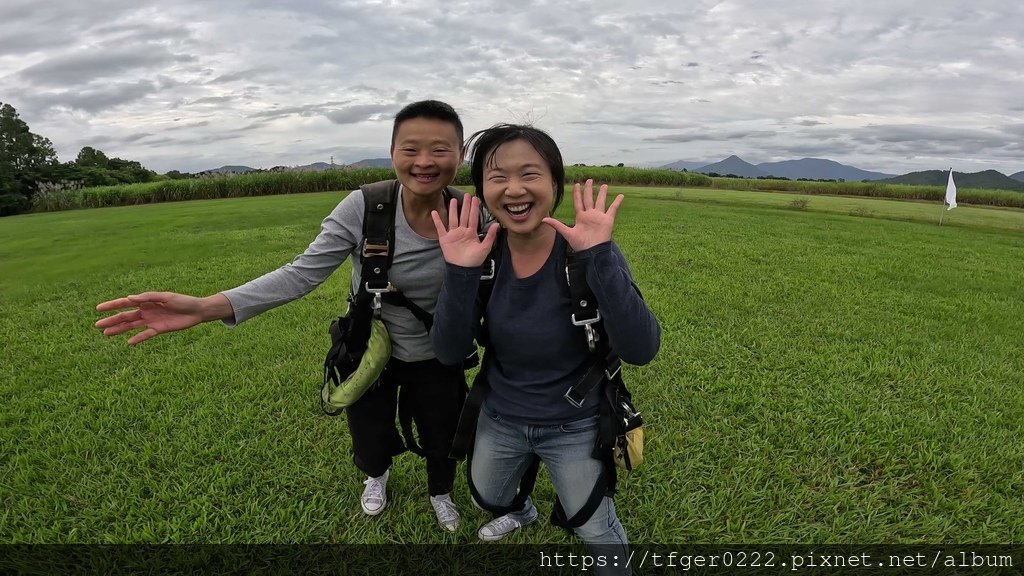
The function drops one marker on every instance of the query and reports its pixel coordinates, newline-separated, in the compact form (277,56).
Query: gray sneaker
(375,495)
(444,509)
(500,527)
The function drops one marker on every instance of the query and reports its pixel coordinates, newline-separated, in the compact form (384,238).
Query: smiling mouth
(426,177)
(520,211)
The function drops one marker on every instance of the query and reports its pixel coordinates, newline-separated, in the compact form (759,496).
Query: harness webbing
(606,369)
(376,254)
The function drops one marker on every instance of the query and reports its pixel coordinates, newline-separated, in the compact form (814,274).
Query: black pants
(433,395)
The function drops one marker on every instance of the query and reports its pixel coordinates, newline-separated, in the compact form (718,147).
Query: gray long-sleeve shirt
(417,271)
(536,352)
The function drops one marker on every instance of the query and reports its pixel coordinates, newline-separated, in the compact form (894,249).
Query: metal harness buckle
(611,375)
(372,250)
(592,336)
(568,396)
(488,274)
(377,293)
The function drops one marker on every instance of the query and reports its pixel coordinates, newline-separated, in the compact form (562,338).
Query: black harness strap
(606,371)
(400,299)
(377,249)
(465,433)
(377,253)
(606,483)
(462,447)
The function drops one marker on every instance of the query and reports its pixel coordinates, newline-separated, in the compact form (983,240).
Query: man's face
(426,154)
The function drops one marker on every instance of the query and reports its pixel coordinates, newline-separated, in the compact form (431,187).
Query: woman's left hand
(593,223)
(460,243)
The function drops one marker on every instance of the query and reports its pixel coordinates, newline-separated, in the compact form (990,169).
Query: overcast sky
(884,85)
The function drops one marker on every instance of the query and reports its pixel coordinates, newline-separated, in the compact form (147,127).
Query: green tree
(89,156)
(25,159)
(131,170)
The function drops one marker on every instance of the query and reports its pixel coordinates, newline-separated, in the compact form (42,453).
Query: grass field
(840,371)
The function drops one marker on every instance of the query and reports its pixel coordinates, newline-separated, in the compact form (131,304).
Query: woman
(426,152)
(534,352)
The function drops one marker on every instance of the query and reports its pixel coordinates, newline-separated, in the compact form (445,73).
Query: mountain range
(314,167)
(822,169)
(805,168)
(810,168)
(984,179)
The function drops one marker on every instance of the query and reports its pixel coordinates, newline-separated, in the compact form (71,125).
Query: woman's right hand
(159,313)
(460,242)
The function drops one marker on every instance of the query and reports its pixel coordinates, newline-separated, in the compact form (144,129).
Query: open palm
(155,312)
(460,242)
(593,223)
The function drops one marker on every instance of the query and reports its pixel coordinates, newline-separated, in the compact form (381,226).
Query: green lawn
(823,377)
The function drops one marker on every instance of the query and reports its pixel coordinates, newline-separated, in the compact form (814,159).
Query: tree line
(29,166)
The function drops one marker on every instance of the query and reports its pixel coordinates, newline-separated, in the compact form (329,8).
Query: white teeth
(518,208)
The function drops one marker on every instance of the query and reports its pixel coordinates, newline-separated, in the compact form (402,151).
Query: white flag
(951,192)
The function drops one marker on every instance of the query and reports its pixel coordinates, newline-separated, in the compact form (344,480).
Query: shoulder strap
(584,303)
(490,270)
(377,249)
(585,313)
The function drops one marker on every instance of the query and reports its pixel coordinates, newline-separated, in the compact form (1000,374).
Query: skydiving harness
(616,418)
(351,333)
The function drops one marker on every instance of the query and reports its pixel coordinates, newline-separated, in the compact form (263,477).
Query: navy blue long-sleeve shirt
(536,352)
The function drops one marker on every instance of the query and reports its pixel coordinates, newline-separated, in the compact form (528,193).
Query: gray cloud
(647,124)
(249,74)
(135,137)
(26,42)
(212,100)
(95,100)
(887,86)
(353,114)
(89,65)
(303,110)
(916,134)
(710,136)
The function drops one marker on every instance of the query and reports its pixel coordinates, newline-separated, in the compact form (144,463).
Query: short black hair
(433,109)
(482,145)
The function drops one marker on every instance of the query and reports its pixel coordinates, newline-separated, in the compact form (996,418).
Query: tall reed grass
(270,183)
(986,197)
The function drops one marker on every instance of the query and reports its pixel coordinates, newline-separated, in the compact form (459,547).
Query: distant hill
(314,167)
(228,170)
(372,163)
(987,179)
(732,165)
(819,169)
(1018,176)
(684,165)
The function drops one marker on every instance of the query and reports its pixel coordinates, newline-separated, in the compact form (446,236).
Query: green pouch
(347,378)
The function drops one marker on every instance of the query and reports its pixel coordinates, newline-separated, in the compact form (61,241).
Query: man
(426,152)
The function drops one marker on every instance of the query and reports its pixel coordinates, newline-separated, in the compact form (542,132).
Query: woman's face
(426,155)
(518,187)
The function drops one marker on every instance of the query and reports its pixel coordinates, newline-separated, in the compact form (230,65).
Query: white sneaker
(375,495)
(444,509)
(500,527)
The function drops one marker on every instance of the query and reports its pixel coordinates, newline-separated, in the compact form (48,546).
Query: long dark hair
(482,145)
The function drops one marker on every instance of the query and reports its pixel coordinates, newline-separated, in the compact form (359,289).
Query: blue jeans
(502,452)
